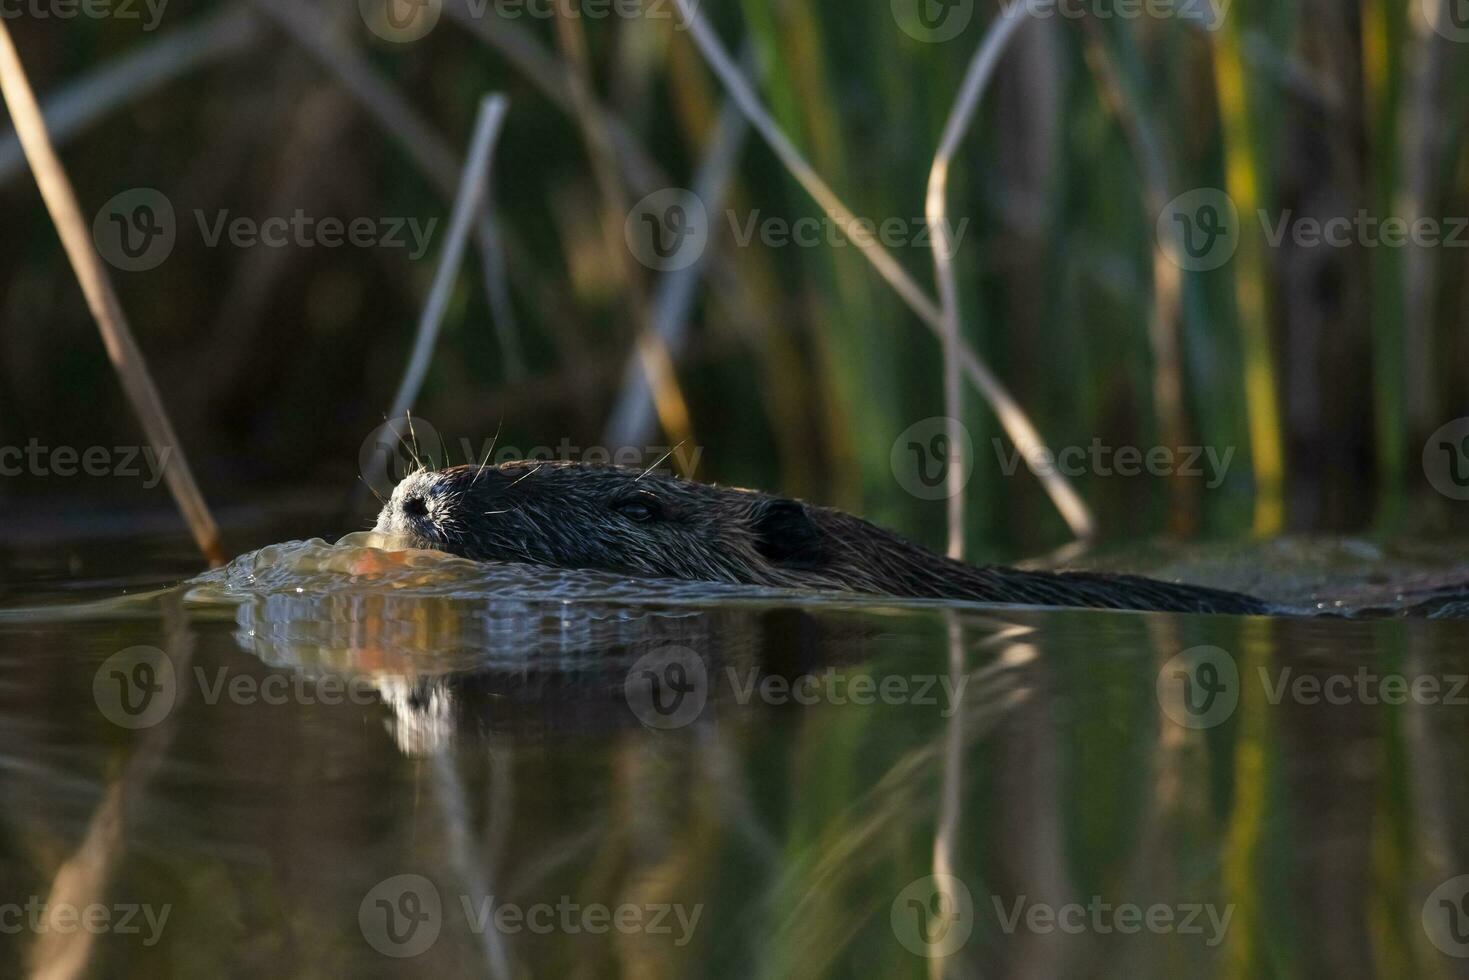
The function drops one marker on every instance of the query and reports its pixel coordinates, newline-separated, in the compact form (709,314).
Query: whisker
(489,452)
(373,489)
(414,450)
(661,460)
(530,474)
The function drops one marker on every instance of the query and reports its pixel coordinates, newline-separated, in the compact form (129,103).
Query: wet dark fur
(571,515)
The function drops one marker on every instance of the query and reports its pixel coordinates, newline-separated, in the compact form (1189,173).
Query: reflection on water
(330,761)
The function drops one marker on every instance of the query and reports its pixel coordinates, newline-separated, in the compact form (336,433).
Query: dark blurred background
(1323,368)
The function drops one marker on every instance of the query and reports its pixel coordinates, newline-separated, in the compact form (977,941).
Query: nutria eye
(642,508)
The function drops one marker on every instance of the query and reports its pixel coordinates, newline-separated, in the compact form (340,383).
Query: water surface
(346,761)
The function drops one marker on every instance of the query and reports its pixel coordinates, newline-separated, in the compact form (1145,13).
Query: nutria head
(609,518)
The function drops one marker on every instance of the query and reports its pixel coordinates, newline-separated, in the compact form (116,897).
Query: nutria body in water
(571,515)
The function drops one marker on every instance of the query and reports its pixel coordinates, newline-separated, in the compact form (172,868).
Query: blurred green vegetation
(1324,369)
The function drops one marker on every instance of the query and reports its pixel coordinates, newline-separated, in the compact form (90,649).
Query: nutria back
(614,519)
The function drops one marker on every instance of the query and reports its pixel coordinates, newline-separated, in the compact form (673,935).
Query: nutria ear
(785,533)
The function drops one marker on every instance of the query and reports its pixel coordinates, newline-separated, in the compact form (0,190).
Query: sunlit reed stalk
(936,209)
(473,191)
(1012,417)
(122,349)
(1242,177)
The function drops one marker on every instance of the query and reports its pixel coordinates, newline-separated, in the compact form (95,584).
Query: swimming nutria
(614,519)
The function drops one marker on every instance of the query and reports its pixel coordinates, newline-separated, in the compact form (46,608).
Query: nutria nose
(414,506)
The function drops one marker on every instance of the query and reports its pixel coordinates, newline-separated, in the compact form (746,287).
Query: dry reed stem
(122,349)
